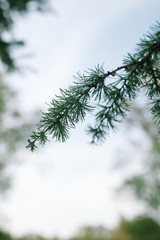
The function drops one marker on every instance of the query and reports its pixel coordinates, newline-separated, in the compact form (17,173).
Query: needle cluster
(107,95)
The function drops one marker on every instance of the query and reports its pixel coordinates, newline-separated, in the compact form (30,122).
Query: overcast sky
(65,186)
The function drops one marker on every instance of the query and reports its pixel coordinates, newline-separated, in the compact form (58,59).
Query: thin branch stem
(152,73)
(137,63)
(100,79)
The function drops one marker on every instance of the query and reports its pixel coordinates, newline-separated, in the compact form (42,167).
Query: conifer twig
(72,105)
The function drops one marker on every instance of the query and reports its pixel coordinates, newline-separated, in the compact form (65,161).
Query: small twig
(153,73)
(137,63)
(101,79)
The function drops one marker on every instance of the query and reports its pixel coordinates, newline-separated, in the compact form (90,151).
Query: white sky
(65,186)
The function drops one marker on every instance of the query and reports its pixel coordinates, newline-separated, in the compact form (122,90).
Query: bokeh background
(66,186)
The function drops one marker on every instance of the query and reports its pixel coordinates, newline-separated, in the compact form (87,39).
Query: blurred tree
(31,237)
(8,13)
(5,236)
(141,228)
(92,233)
(13,130)
(145,185)
(110,99)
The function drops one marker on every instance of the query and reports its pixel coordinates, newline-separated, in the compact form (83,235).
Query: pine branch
(71,107)
(137,64)
(90,86)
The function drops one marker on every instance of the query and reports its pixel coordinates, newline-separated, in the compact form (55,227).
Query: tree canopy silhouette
(8,12)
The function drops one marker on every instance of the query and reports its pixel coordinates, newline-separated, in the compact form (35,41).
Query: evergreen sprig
(140,70)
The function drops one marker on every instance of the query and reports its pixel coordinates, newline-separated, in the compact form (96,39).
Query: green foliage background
(9,10)
(13,132)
